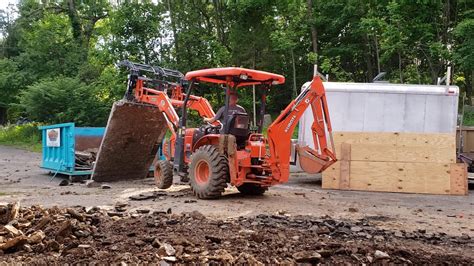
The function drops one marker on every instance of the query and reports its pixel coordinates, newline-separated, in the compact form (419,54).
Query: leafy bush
(64,99)
(26,136)
(468,119)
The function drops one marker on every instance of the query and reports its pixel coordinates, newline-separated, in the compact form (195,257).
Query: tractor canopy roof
(235,76)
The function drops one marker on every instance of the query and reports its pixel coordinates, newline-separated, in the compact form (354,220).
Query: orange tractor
(224,152)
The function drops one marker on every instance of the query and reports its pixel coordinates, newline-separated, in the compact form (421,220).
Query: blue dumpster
(60,143)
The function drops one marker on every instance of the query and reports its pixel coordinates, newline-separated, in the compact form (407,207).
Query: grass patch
(468,118)
(25,136)
(3,193)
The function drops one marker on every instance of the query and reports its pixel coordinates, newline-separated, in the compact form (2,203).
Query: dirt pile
(85,235)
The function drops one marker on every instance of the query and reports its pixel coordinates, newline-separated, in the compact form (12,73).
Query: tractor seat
(238,125)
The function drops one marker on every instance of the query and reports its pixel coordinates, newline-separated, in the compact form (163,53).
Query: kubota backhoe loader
(217,154)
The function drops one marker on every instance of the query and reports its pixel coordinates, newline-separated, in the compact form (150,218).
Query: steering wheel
(210,126)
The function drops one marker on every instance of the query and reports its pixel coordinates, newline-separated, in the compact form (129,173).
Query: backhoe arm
(281,131)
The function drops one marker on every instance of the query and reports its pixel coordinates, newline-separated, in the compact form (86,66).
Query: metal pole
(461,137)
(254,107)
(448,76)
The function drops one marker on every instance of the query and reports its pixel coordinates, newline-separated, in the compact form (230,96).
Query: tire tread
(219,172)
(166,180)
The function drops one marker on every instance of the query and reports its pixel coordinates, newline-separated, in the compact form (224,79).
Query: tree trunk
(377,53)
(368,59)
(146,53)
(75,23)
(418,73)
(173,29)
(293,65)
(82,31)
(433,72)
(469,86)
(218,5)
(314,32)
(400,66)
(3,115)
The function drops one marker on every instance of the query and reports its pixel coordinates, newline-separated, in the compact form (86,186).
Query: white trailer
(385,107)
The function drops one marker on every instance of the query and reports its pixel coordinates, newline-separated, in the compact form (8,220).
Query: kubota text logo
(290,123)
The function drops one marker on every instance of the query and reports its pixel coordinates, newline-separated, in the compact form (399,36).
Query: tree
(63,99)
(11,82)
(136,32)
(464,50)
(50,42)
(286,37)
(49,48)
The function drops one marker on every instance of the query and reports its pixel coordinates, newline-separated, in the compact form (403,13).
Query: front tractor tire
(208,172)
(163,174)
(251,189)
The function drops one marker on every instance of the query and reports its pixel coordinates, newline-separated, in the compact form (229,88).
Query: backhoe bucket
(310,162)
(130,143)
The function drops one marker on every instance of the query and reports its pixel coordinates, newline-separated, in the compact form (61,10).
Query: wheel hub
(201,172)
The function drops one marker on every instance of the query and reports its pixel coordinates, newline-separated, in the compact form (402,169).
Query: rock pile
(118,235)
(36,229)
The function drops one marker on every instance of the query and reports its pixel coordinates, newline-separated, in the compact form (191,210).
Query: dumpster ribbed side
(60,157)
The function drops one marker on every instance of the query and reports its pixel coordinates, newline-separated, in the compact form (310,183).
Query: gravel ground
(22,180)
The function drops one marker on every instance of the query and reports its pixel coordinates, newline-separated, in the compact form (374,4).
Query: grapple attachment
(133,134)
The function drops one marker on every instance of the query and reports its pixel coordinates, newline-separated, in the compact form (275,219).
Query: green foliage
(468,119)
(464,31)
(25,136)
(136,32)
(50,49)
(11,80)
(57,58)
(64,99)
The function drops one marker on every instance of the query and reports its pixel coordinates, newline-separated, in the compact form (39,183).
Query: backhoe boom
(281,131)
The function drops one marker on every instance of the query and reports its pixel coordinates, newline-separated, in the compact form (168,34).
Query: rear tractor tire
(208,172)
(163,174)
(252,189)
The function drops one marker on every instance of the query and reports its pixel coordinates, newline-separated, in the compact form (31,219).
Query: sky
(4,3)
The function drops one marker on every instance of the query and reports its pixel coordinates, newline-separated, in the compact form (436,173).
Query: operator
(233,108)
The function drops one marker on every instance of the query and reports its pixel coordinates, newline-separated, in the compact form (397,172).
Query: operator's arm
(218,116)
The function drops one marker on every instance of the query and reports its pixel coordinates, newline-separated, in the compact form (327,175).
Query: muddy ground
(407,222)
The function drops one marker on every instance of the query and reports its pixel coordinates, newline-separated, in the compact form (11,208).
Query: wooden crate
(396,162)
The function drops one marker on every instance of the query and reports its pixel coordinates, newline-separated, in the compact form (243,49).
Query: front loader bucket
(130,143)
(310,162)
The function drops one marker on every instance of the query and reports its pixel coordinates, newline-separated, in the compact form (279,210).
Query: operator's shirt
(232,110)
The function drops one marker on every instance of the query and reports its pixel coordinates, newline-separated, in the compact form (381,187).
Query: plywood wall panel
(397,162)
